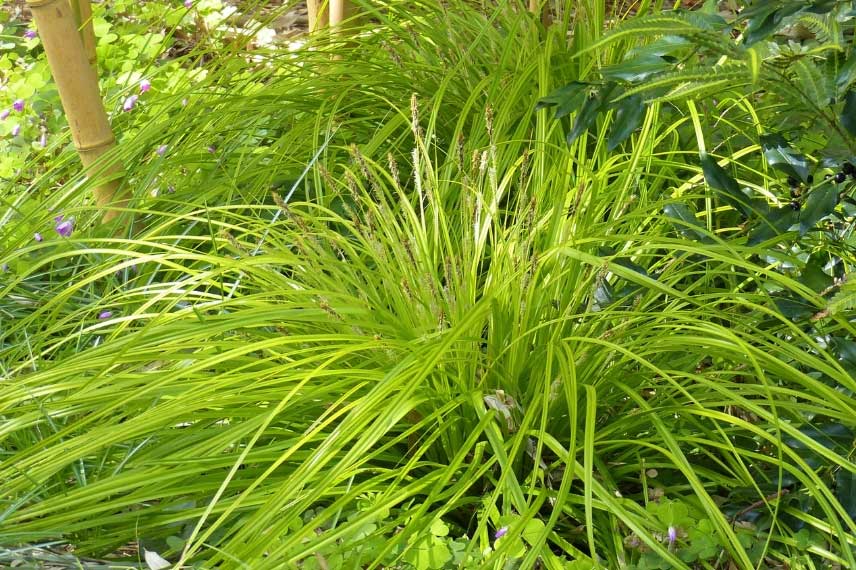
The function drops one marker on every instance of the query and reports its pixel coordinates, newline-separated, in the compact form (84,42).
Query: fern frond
(845,299)
(646,27)
(700,77)
(699,90)
(816,85)
(787,91)
(825,29)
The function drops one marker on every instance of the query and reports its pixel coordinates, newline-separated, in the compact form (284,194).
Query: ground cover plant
(413,298)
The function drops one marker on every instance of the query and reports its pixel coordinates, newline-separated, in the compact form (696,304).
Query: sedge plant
(375,312)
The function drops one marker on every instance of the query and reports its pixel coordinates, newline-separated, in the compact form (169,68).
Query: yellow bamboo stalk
(318,17)
(337,12)
(83,15)
(77,83)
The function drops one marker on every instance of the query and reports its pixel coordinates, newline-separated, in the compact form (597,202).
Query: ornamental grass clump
(395,320)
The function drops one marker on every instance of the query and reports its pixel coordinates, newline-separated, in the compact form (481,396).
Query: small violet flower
(161,150)
(672,535)
(212,149)
(188,4)
(129,103)
(64,227)
(104,315)
(184,102)
(5,113)
(16,130)
(43,140)
(30,34)
(501,532)
(37,236)
(4,268)
(18,105)
(145,85)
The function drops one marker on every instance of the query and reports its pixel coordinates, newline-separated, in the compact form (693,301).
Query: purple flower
(145,85)
(161,150)
(212,149)
(43,139)
(501,532)
(16,130)
(4,268)
(37,236)
(65,228)
(104,315)
(5,113)
(18,105)
(30,34)
(129,103)
(188,4)
(673,534)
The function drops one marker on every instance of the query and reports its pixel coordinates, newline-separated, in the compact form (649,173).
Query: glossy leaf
(719,179)
(642,62)
(845,491)
(773,222)
(764,18)
(814,276)
(848,114)
(819,204)
(596,103)
(628,117)
(847,73)
(565,99)
(794,308)
(782,157)
(686,220)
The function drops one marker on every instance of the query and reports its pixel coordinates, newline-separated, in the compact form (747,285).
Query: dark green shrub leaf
(719,179)
(847,73)
(764,18)
(848,115)
(687,220)
(593,106)
(822,6)
(773,222)
(794,308)
(845,349)
(820,203)
(628,117)
(783,158)
(622,261)
(845,491)
(814,276)
(566,99)
(642,62)
(834,436)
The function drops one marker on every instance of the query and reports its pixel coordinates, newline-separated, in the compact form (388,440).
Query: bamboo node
(96,145)
(41,3)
